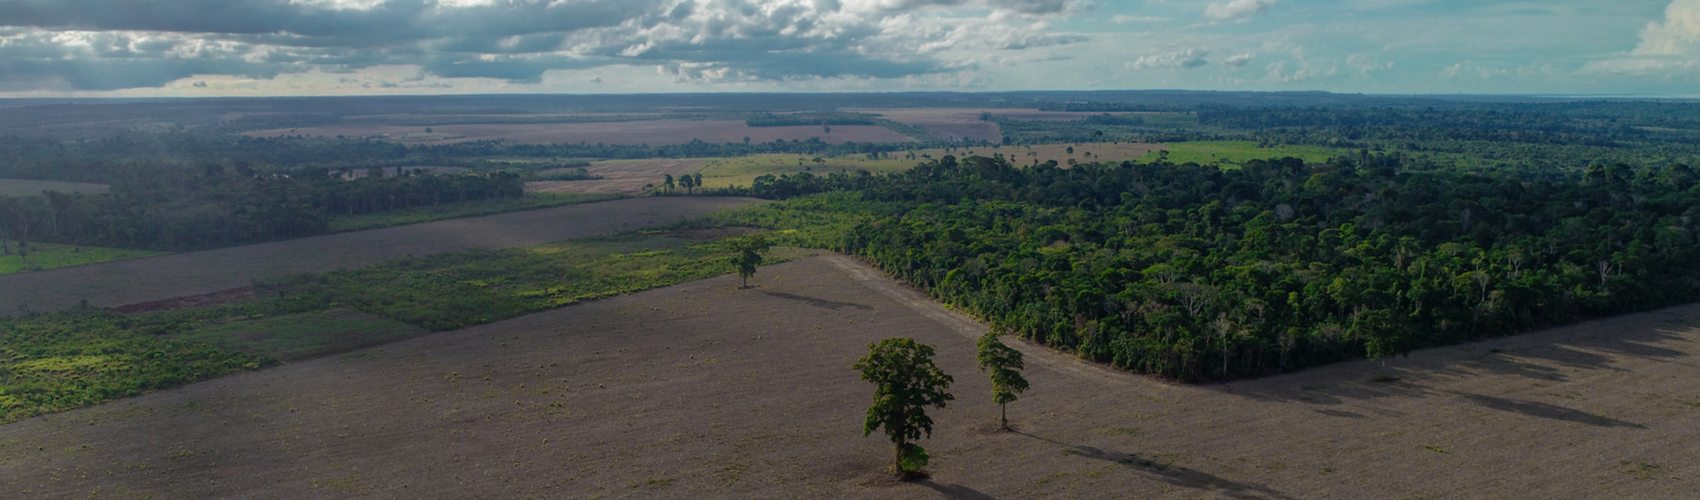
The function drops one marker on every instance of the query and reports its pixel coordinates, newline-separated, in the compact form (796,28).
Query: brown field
(654,133)
(1040,153)
(176,275)
(964,123)
(20,187)
(620,176)
(704,391)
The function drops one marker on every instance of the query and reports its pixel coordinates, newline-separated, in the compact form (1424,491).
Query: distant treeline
(182,209)
(1198,273)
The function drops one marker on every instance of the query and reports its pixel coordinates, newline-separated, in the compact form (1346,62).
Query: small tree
(667,183)
(749,251)
(1005,364)
(906,382)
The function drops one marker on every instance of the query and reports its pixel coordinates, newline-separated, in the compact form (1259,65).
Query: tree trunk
(898,460)
(1003,423)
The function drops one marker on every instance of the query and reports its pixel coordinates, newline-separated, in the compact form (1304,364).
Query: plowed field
(157,278)
(703,390)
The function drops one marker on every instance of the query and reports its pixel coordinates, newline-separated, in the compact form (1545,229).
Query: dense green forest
(183,209)
(1198,273)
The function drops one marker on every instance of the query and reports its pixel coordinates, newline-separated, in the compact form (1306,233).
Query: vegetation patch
(1231,154)
(21,257)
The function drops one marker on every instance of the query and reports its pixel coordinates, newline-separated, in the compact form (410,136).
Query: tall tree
(1005,366)
(749,251)
(906,382)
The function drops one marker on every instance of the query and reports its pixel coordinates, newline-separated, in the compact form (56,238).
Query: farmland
(701,389)
(156,278)
(619,176)
(651,132)
(966,123)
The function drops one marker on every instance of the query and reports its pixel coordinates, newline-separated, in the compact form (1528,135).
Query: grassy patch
(463,209)
(303,335)
(44,256)
(744,170)
(63,361)
(1230,154)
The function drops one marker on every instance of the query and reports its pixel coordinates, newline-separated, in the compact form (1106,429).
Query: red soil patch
(206,299)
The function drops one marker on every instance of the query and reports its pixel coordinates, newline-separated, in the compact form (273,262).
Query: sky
(126,48)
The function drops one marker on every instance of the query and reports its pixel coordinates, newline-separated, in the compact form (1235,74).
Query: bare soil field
(21,187)
(157,278)
(620,176)
(702,390)
(654,133)
(965,123)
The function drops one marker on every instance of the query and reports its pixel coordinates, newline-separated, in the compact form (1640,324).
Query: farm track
(704,390)
(177,275)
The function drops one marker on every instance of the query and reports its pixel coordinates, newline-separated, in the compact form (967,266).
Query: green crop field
(1230,154)
(743,170)
(44,256)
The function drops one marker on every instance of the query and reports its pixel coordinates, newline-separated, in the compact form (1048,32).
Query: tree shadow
(1162,469)
(1338,413)
(1544,410)
(819,302)
(954,490)
(1547,356)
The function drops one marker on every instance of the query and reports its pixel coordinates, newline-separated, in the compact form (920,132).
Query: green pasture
(743,170)
(44,256)
(1230,154)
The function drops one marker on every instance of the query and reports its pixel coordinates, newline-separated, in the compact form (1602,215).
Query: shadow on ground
(1160,470)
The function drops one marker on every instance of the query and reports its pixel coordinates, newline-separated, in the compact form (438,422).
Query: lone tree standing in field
(905,382)
(750,250)
(667,183)
(1005,364)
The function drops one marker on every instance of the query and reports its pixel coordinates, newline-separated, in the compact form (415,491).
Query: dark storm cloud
(159,41)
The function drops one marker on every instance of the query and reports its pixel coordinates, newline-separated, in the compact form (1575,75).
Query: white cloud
(1237,61)
(1125,19)
(1237,8)
(1180,59)
(1666,47)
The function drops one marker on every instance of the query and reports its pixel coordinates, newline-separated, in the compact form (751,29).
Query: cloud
(1666,47)
(1236,61)
(1180,59)
(1237,8)
(79,44)
(1125,19)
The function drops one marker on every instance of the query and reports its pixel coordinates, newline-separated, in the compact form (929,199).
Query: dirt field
(164,277)
(620,176)
(705,391)
(20,187)
(654,133)
(965,123)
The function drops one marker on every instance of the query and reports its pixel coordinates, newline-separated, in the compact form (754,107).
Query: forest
(1199,273)
(180,209)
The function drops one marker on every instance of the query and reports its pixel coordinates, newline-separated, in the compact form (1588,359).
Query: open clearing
(619,176)
(21,187)
(43,256)
(1231,154)
(965,123)
(702,390)
(156,278)
(654,133)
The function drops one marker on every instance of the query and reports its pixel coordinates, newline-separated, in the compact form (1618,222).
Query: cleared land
(965,123)
(657,132)
(619,176)
(701,390)
(1040,153)
(743,170)
(20,187)
(157,278)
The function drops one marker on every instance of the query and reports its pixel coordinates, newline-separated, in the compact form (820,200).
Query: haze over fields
(932,249)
